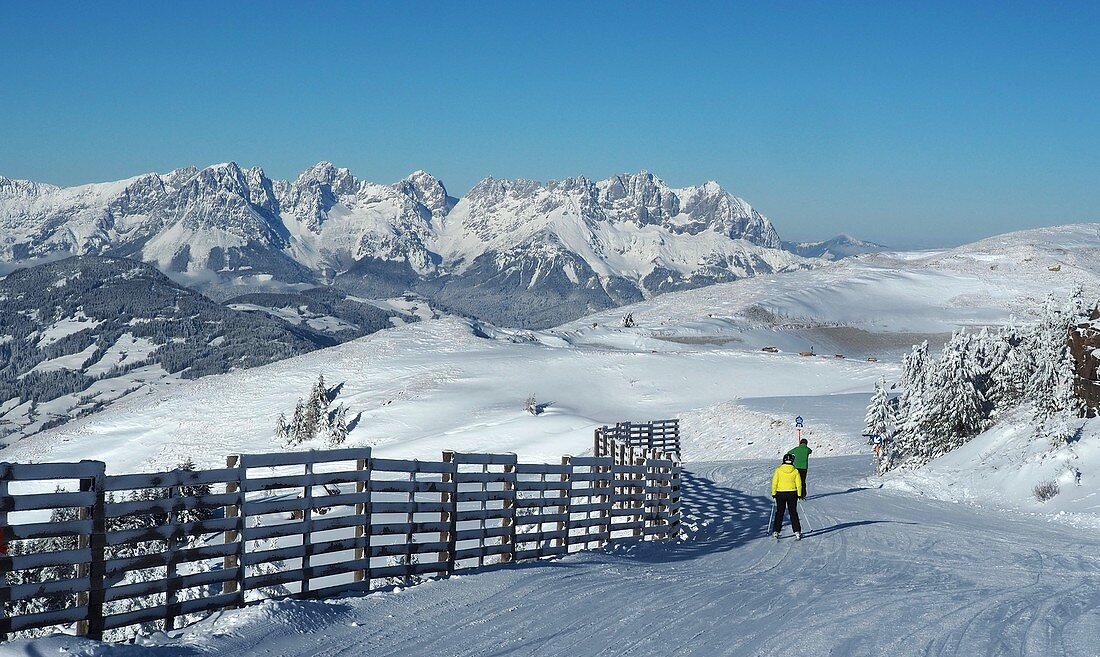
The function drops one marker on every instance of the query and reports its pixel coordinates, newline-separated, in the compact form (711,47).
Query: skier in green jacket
(802,461)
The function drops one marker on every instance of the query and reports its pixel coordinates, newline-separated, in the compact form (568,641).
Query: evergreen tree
(299,432)
(880,413)
(959,401)
(337,426)
(314,418)
(282,429)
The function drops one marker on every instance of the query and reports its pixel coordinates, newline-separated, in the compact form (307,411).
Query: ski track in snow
(878,573)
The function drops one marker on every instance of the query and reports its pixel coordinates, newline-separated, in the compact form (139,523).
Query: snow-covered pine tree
(1007,378)
(197,514)
(336,426)
(880,413)
(299,429)
(282,429)
(314,418)
(984,357)
(1051,388)
(960,401)
(913,405)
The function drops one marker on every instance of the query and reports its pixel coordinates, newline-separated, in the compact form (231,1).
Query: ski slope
(878,573)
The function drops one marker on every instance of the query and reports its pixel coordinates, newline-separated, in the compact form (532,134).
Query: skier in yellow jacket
(786,489)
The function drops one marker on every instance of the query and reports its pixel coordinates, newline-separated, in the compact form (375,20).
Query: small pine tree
(880,413)
(282,429)
(531,405)
(337,427)
(298,431)
(314,418)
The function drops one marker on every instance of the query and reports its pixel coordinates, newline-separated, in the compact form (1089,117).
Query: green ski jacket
(801,456)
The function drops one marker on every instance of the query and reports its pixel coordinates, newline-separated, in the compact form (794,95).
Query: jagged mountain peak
(14,188)
(340,180)
(429,191)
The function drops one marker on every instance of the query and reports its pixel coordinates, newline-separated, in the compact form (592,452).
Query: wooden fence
(157,549)
(662,436)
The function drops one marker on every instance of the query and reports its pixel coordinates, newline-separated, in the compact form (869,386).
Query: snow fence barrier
(109,555)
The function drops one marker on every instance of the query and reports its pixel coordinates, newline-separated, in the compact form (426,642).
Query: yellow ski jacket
(786,479)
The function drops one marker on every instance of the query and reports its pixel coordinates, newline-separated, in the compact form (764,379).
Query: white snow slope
(882,571)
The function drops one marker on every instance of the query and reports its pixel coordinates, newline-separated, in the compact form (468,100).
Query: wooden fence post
(638,460)
(674,522)
(362,485)
(236,585)
(307,525)
(5,592)
(171,573)
(663,508)
(96,542)
(450,515)
(567,493)
(410,556)
(650,496)
(607,483)
(510,503)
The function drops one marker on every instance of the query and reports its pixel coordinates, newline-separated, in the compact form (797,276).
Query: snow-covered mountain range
(841,246)
(512,251)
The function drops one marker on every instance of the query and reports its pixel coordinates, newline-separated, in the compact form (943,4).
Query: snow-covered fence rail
(157,549)
(659,435)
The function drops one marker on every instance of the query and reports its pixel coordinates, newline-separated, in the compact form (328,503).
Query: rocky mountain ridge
(511,251)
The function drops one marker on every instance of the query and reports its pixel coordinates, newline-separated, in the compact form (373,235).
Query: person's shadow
(718,519)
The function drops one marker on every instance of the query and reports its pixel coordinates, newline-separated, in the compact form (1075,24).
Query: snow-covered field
(900,569)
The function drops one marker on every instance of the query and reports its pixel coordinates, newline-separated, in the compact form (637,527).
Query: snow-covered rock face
(226,229)
(632,234)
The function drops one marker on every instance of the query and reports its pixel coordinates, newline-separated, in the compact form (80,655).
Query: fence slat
(302,458)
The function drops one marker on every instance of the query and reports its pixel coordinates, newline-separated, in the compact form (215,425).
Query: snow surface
(1000,469)
(419,389)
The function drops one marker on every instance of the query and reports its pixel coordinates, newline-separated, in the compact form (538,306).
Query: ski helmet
(788,458)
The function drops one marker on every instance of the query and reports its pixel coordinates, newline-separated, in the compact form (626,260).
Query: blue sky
(913,124)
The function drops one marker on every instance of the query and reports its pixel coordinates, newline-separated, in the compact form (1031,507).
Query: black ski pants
(802,473)
(786,500)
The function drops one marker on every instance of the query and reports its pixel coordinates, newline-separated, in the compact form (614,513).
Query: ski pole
(771,519)
(805,518)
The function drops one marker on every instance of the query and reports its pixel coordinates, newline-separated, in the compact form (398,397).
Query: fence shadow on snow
(715,519)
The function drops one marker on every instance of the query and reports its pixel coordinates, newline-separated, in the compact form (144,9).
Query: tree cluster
(978,377)
(313,418)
